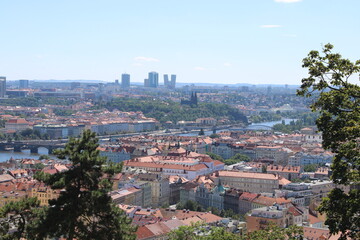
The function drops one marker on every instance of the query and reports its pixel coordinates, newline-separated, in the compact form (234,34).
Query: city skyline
(201,42)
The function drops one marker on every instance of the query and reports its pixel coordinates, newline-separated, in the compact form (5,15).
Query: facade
(260,218)
(44,194)
(245,202)
(182,166)
(23,84)
(54,131)
(17,124)
(249,182)
(160,188)
(130,195)
(288,172)
(115,153)
(2,87)
(170,84)
(208,195)
(152,80)
(125,80)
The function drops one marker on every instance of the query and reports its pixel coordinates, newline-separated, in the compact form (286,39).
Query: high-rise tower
(23,84)
(2,87)
(125,80)
(153,79)
(170,84)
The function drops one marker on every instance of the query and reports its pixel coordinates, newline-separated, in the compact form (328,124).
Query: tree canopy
(338,102)
(84,209)
(202,232)
(24,215)
(171,111)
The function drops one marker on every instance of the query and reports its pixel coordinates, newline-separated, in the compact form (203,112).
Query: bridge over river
(33,145)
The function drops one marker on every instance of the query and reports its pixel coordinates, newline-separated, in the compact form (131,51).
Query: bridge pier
(50,150)
(34,150)
(17,148)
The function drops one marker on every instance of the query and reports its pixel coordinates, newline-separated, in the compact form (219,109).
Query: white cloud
(227,64)
(146,59)
(270,26)
(287,1)
(199,68)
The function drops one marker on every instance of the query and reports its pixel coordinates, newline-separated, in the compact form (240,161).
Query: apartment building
(248,181)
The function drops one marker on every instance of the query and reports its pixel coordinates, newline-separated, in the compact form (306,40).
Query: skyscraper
(125,80)
(166,80)
(2,87)
(23,84)
(153,79)
(173,81)
(170,84)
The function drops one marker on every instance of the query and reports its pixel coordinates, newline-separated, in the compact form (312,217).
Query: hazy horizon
(237,41)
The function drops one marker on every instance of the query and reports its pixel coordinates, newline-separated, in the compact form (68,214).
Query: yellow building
(44,194)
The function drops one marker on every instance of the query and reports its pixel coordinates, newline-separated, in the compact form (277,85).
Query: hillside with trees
(171,111)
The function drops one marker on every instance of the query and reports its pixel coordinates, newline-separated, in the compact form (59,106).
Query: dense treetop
(338,104)
(172,111)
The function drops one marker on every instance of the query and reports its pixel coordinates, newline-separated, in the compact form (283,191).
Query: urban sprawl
(184,161)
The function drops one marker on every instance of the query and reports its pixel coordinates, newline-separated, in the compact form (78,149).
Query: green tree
(310,168)
(21,215)
(214,135)
(273,232)
(44,156)
(236,159)
(190,205)
(338,102)
(84,209)
(215,156)
(199,231)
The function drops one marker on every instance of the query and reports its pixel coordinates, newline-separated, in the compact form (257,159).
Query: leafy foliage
(339,106)
(171,111)
(273,232)
(215,156)
(236,159)
(190,205)
(84,209)
(310,168)
(63,112)
(202,232)
(21,215)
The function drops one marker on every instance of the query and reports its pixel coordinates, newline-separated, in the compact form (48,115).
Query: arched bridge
(33,145)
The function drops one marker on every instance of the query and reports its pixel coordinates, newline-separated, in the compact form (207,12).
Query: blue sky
(228,41)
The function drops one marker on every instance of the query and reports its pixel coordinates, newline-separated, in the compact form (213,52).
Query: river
(253,126)
(6,155)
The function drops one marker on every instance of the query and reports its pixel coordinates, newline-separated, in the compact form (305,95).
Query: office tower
(125,80)
(116,81)
(170,84)
(23,84)
(2,87)
(166,80)
(153,79)
(146,82)
(173,81)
